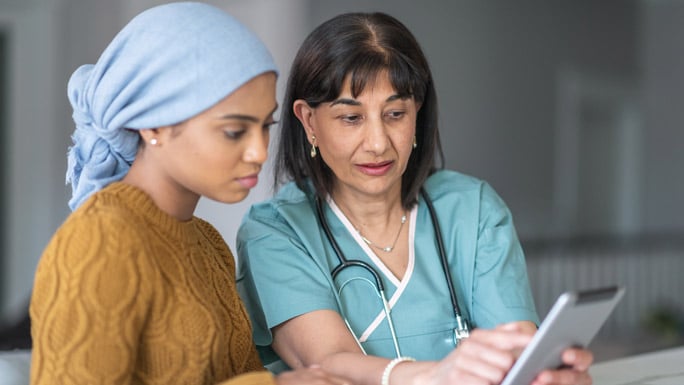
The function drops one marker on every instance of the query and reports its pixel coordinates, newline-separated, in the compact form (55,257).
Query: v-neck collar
(399,284)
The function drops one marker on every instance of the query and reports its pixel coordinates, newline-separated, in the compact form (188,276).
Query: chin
(233,197)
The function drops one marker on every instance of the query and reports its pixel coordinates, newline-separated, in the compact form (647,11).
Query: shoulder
(109,207)
(103,215)
(448,181)
(289,199)
(210,232)
(217,241)
(101,230)
(288,195)
(287,219)
(448,186)
(100,249)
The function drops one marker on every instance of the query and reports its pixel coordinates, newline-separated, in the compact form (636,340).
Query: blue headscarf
(167,65)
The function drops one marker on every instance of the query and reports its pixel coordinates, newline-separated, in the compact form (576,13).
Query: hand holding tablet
(573,320)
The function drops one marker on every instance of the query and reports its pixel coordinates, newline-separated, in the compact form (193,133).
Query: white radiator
(651,272)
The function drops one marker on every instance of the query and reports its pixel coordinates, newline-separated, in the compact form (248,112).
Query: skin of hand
(577,361)
(313,375)
(482,359)
(486,357)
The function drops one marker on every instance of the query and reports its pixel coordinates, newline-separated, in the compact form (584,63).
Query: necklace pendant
(387,249)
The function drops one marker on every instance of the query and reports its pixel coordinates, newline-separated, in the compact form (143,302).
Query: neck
(179,203)
(365,211)
(377,218)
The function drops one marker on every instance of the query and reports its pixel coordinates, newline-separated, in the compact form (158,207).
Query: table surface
(663,367)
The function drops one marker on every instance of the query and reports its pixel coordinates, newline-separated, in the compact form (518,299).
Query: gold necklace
(386,249)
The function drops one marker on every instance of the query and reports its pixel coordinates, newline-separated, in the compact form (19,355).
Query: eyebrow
(246,118)
(354,102)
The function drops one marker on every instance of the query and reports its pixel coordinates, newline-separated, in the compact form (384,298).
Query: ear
(148,134)
(304,113)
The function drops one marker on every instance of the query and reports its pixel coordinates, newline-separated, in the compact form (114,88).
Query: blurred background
(571,109)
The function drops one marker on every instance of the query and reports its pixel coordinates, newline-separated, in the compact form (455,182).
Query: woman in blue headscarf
(133,288)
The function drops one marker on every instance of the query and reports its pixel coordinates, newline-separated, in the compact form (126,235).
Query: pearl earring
(153,141)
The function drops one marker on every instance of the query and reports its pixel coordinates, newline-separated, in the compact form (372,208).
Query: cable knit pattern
(126,294)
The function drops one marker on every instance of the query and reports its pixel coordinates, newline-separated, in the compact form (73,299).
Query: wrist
(385,380)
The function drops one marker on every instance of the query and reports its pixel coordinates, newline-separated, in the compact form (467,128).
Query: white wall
(32,182)
(662,57)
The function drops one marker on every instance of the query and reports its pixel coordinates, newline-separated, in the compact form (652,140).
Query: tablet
(573,320)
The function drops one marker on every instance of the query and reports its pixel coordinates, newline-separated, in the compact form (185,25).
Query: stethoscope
(462,329)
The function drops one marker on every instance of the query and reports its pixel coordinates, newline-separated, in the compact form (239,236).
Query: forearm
(321,338)
(368,370)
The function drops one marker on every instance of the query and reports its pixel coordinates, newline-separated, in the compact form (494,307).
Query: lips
(249,181)
(375,169)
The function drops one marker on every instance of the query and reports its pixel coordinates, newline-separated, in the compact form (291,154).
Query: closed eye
(235,134)
(267,126)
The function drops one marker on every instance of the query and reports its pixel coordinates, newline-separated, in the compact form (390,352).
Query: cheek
(337,149)
(225,159)
(209,157)
(403,138)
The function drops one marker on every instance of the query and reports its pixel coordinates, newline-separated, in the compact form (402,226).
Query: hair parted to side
(358,45)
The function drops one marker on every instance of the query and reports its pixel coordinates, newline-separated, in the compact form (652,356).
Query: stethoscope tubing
(442,253)
(462,329)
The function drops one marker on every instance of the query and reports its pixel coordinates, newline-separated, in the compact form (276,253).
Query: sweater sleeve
(252,378)
(89,303)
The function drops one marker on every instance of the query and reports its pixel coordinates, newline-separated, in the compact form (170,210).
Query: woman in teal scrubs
(359,134)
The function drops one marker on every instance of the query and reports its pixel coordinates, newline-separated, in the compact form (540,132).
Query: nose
(257,148)
(377,139)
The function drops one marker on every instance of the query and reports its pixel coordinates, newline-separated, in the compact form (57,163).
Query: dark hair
(359,45)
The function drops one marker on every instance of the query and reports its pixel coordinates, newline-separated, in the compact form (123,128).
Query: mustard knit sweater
(126,294)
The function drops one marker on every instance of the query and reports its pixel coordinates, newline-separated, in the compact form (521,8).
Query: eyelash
(237,134)
(270,124)
(350,119)
(354,119)
(396,114)
(234,135)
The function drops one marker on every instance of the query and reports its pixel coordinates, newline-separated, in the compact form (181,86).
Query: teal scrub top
(285,261)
